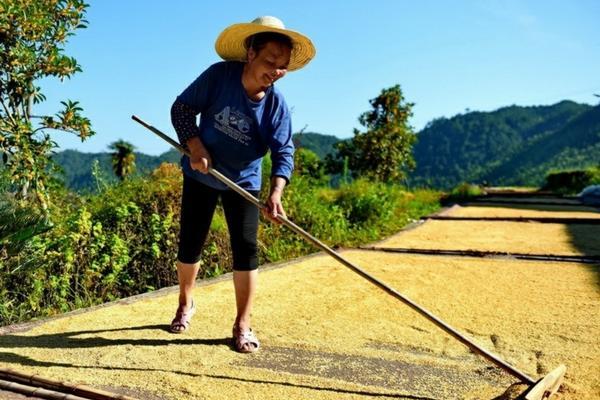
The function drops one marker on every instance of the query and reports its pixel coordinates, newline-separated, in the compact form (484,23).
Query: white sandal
(245,342)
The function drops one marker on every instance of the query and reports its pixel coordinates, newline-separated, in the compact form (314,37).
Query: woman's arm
(183,118)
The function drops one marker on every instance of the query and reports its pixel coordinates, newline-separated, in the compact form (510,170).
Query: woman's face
(269,64)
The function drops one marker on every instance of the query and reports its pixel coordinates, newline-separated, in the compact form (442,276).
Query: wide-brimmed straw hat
(231,43)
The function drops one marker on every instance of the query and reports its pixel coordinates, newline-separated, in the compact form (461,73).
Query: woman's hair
(258,41)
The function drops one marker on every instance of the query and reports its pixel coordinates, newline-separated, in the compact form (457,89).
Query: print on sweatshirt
(234,124)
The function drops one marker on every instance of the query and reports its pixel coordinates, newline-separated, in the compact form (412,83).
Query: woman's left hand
(274,207)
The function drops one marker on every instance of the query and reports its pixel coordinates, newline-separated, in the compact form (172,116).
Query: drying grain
(328,334)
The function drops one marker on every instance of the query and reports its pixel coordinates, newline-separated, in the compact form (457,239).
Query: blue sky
(448,56)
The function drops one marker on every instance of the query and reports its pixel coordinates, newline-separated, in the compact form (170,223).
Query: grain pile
(328,334)
(515,237)
(532,199)
(525,212)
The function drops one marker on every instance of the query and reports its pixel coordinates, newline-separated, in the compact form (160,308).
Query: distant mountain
(77,166)
(320,144)
(510,146)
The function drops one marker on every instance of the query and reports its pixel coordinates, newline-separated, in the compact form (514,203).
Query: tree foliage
(307,163)
(384,151)
(123,158)
(32,36)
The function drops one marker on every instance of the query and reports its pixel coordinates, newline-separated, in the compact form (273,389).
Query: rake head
(548,385)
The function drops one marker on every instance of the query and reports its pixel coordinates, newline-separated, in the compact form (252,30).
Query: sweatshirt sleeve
(282,146)
(183,118)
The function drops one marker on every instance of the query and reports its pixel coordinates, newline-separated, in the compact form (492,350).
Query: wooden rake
(539,389)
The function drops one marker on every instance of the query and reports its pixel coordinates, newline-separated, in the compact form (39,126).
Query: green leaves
(32,36)
(18,225)
(307,163)
(69,120)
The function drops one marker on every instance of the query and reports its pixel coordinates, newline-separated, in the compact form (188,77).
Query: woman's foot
(244,340)
(182,319)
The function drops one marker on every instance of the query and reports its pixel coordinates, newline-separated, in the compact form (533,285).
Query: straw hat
(230,44)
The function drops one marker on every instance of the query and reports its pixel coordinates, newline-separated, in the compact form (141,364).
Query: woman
(242,116)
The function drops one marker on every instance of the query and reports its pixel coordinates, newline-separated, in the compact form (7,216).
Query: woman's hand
(199,157)
(274,207)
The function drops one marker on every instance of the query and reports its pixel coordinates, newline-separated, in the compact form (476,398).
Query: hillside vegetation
(510,146)
(77,168)
(320,144)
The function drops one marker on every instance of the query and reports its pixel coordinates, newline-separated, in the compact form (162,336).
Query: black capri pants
(198,203)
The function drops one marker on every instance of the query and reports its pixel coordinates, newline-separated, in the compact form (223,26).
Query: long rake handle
(421,310)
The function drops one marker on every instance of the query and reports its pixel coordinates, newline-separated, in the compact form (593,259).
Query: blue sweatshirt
(236,131)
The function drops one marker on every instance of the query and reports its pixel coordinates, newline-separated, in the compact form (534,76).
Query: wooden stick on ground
(32,391)
(66,388)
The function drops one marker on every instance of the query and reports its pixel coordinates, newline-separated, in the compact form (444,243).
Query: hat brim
(230,44)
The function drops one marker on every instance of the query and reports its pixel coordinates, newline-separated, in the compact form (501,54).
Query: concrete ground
(328,334)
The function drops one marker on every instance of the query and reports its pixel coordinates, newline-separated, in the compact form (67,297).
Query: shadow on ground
(12,358)
(389,375)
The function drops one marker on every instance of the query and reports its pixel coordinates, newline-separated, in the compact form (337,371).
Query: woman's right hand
(199,157)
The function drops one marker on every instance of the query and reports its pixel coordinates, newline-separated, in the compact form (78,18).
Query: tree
(123,158)
(308,163)
(32,34)
(384,151)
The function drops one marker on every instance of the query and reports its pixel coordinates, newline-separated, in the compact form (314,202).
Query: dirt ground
(328,334)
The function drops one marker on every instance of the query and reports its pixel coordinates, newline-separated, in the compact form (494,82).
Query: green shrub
(365,202)
(463,192)
(571,182)
(115,244)
(308,163)
(358,212)
(306,208)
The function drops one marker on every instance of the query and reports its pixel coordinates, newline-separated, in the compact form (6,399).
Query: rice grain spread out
(329,334)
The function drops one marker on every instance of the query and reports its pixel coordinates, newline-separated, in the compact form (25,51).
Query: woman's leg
(245,290)
(186,275)
(198,204)
(242,220)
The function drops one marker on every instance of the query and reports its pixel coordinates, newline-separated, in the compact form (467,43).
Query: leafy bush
(367,202)
(304,206)
(463,192)
(308,163)
(357,212)
(572,182)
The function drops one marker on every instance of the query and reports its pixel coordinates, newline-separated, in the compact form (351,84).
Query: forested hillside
(320,144)
(510,146)
(77,167)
